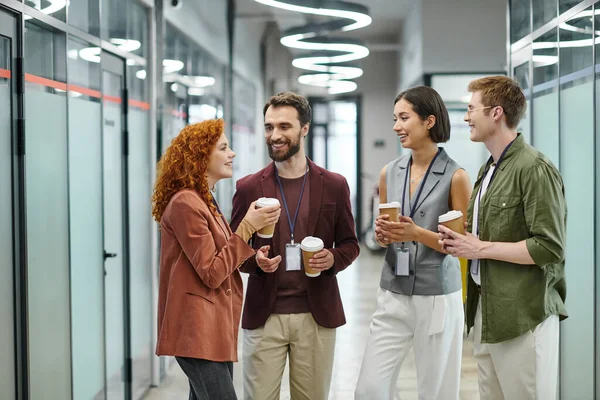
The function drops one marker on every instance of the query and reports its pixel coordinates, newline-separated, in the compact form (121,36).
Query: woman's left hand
(405,230)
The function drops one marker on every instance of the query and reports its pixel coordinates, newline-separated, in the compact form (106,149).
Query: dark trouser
(209,380)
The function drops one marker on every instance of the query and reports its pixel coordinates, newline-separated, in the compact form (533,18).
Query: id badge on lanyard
(293,257)
(402,261)
(402,266)
(293,254)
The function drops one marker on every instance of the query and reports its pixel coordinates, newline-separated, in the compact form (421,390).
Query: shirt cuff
(540,255)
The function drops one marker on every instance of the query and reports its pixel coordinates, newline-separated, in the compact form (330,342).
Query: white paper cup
(453,220)
(267,231)
(310,246)
(392,209)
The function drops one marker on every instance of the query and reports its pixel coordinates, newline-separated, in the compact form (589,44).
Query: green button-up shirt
(525,201)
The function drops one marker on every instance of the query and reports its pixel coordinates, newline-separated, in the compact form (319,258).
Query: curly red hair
(184,165)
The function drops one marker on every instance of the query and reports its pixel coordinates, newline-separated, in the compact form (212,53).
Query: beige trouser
(265,350)
(522,368)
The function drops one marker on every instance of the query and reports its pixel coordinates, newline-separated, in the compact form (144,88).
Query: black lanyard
(413,209)
(287,212)
(487,169)
(219,211)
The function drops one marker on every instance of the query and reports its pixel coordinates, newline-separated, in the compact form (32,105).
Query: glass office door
(114,143)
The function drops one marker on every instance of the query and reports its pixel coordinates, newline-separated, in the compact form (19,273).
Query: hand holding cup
(263,218)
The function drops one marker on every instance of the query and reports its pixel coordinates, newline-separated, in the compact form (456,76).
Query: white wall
(452,36)
(464,35)
(378,89)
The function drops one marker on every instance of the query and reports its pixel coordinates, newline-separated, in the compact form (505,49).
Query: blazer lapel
(437,170)
(268,182)
(400,178)
(222,223)
(316,194)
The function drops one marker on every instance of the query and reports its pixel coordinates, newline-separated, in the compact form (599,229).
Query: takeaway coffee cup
(453,220)
(267,231)
(310,246)
(392,209)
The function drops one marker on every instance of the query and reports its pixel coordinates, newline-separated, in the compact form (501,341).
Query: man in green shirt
(516,243)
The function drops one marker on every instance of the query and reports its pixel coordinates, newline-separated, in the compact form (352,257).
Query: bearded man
(287,313)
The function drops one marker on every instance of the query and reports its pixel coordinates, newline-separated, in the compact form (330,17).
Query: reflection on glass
(208,76)
(112,140)
(85,211)
(47,215)
(577,163)
(520,24)
(177,53)
(84,75)
(140,184)
(576,38)
(114,19)
(52,8)
(545,96)
(137,84)
(565,5)
(521,74)
(138,28)
(45,60)
(544,12)
(7,343)
(85,15)
(597,174)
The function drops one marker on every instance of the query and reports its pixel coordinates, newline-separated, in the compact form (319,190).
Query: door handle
(109,255)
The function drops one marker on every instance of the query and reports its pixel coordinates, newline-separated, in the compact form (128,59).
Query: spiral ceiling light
(327,52)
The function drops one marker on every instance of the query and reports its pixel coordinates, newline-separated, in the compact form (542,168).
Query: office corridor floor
(358,286)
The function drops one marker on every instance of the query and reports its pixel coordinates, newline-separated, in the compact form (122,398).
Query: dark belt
(478,289)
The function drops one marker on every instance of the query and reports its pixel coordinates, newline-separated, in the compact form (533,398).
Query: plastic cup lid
(450,215)
(311,243)
(393,204)
(267,201)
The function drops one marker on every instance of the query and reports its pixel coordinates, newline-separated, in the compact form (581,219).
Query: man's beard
(293,149)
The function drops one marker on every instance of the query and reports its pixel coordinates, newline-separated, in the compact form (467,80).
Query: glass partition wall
(194,91)
(75,254)
(554,55)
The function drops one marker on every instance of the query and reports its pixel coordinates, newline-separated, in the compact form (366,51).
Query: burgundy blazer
(330,219)
(200,287)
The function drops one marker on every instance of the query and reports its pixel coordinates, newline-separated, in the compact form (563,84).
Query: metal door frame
(11,26)
(117,65)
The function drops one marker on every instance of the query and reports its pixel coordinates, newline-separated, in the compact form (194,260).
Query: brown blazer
(330,219)
(200,288)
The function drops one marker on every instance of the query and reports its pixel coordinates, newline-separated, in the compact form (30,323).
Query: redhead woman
(200,288)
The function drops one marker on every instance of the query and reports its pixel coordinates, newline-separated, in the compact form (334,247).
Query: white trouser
(434,325)
(523,368)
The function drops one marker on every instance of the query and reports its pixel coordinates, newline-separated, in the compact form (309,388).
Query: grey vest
(430,272)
